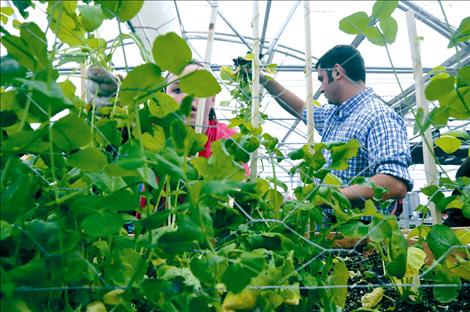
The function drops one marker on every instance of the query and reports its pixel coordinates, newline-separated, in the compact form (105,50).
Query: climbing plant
(206,238)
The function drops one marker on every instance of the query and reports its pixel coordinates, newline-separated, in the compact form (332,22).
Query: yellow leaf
(370,300)
(331,179)
(414,261)
(245,300)
(448,143)
(114,297)
(96,306)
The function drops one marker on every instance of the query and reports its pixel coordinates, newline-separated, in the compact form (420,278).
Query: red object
(215,131)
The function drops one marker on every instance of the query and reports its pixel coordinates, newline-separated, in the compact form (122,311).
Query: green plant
(207,239)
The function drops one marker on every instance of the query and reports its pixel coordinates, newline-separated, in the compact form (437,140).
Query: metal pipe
(265,25)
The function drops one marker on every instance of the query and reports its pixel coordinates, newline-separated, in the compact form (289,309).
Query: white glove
(101,86)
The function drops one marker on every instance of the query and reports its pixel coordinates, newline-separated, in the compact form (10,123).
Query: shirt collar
(347,107)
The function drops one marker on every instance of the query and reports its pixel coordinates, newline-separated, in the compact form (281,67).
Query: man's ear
(338,71)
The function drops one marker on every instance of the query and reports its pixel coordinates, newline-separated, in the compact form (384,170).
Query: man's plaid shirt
(380,131)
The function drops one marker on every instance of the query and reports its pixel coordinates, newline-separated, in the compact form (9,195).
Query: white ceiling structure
(282,42)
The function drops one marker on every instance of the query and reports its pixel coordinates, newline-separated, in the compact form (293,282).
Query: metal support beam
(265,26)
(431,21)
(234,30)
(279,33)
(406,101)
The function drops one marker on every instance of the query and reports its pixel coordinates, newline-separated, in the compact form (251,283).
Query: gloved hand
(101,86)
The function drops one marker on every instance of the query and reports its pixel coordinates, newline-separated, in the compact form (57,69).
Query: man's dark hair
(348,57)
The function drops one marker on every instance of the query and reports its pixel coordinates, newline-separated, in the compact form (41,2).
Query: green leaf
(440,239)
(169,163)
(156,220)
(442,276)
(238,275)
(155,141)
(175,243)
(374,35)
(10,69)
(65,23)
(37,44)
(19,50)
(384,8)
(46,234)
(122,9)
(398,249)
(379,230)
(448,143)
(71,132)
(5,12)
(116,170)
(129,9)
(457,108)
(89,159)
(33,273)
(355,23)
(462,33)
(138,85)
(107,132)
(200,83)
(48,98)
(203,268)
(171,53)
(162,104)
(92,16)
(341,153)
(127,267)
(7,118)
(253,263)
(339,277)
(122,200)
(219,166)
(438,88)
(463,76)
(5,230)
(389,28)
(439,116)
(102,223)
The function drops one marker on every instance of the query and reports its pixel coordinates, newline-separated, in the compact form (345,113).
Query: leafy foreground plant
(67,188)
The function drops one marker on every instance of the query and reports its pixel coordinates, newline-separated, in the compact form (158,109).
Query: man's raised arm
(288,100)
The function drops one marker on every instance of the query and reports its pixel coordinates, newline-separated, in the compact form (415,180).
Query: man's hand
(101,86)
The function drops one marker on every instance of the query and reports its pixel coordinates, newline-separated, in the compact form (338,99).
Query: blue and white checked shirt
(381,132)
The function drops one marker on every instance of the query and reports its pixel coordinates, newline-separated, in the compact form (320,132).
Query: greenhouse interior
(235,155)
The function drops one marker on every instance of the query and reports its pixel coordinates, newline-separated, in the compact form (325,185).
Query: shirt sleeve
(389,149)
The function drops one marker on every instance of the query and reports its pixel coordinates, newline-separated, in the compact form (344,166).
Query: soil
(367,270)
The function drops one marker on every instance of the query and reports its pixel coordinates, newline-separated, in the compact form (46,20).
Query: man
(355,112)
